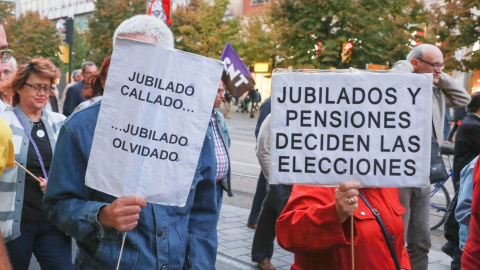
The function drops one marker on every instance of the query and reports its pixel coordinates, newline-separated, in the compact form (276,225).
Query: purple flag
(236,75)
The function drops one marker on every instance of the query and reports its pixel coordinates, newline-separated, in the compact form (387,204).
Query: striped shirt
(13,179)
(220,151)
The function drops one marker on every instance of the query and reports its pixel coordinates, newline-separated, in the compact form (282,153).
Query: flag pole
(27,171)
(351,241)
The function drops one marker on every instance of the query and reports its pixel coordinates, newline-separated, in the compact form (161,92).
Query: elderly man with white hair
(157,234)
(446,92)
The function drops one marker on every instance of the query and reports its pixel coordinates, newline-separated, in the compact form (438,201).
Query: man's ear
(414,62)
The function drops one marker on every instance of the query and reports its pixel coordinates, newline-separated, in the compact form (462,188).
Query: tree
(379,30)
(6,9)
(199,28)
(32,36)
(81,49)
(457,24)
(260,40)
(108,14)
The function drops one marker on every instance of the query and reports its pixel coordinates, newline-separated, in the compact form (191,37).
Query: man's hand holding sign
(357,131)
(122,214)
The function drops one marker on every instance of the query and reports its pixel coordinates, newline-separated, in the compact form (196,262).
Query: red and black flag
(161,10)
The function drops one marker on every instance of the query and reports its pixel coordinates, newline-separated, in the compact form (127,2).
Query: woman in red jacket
(315,225)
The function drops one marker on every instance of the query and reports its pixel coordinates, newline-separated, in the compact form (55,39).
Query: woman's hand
(346,200)
(43,184)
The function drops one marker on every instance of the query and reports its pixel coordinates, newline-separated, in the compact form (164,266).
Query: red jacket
(471,252)
(310,227)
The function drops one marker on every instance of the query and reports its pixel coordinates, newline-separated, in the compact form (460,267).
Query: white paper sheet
(152,122)
(328,128)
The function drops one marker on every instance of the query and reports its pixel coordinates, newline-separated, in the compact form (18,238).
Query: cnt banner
(236,75)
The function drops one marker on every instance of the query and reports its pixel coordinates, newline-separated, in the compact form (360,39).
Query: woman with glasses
(23,221)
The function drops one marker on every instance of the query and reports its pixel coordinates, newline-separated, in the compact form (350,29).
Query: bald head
(426,58)
(417,51)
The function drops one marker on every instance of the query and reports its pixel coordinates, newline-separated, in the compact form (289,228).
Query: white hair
(76,72)
(146,25)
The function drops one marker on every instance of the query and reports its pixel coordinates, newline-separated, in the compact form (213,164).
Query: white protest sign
(152,122)
(328,128)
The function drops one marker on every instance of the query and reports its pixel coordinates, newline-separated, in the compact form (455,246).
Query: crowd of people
(402,237)
(44,201)
(42,211)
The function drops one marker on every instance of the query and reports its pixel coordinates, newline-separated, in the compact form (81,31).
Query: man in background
(77,77)
(74,94)
(215,171)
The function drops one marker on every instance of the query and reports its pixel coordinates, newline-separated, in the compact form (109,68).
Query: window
(257,2)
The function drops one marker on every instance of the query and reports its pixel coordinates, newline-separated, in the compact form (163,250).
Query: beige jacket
(447,93)
(263,146)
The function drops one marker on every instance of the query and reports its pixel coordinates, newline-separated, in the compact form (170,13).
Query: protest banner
(328,128)
(152,122)
(236,75)
(160,9)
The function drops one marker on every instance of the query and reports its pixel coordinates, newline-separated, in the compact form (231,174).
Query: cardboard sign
(152,122)
(329,128)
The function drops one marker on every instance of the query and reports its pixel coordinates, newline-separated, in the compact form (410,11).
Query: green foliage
(260,39)
(6,9)
(32,36)
(380,30)
(81,49)
(108,14)
(199,28)
(457,26)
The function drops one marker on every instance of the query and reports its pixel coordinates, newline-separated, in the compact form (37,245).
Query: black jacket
(467,144)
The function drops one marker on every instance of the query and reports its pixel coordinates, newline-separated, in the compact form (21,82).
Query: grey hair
(147,25)
(76,72)
(416,52)
(89,64)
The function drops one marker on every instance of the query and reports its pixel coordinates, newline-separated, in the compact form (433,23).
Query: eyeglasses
(37,87)
(6,55)
(435,66)
(221,90)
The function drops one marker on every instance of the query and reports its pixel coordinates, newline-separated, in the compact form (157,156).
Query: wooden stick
(27,171)
(352,239)
(121,250)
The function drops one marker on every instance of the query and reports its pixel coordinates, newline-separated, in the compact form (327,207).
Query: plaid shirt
(220,152)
